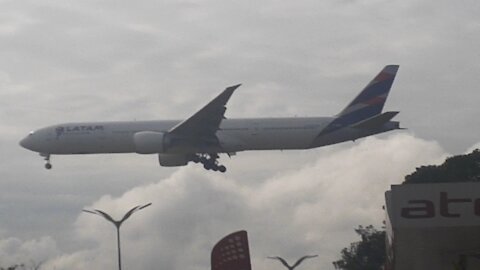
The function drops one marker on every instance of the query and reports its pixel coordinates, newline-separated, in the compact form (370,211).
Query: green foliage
(367,254)
(33,266)
(461,168)
(14,267)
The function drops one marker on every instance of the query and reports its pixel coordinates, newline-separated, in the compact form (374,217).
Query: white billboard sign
(435,205)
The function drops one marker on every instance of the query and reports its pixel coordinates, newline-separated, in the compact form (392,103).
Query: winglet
(225,95)
(222,98)
(206,121)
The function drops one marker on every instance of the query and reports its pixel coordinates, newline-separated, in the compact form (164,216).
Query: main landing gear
(48,165)
(210,162)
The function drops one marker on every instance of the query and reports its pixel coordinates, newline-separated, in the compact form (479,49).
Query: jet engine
(172,160)
(150,142)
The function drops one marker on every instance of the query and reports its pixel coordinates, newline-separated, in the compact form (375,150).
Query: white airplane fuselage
(201,137)
(234,135)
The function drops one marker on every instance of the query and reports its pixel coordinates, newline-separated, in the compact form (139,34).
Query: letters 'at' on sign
(419,209)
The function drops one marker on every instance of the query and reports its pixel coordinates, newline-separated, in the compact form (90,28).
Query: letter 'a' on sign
(232,253)
(424,209)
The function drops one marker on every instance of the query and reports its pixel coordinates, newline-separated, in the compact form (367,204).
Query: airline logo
(375,93)
(61,130)
(368,103)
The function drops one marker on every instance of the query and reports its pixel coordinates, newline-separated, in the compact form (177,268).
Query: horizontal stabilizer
(376,121)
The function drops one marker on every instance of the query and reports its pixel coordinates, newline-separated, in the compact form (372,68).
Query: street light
(117,223)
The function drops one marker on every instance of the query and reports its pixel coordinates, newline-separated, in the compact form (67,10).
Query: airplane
(207,133)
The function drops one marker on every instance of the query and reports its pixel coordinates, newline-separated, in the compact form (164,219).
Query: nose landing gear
(48,165)
(210,162)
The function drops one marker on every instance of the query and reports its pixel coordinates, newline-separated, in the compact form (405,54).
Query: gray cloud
(15,251)
(83,61)
(118,60)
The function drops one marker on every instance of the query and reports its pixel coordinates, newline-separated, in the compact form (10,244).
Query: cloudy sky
(65,61)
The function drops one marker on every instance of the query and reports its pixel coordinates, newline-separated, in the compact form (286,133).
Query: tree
(367,254)
(461,168)
(33,266)
(13,267)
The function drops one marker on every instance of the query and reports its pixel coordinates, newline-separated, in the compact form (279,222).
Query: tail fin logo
(375,100)
(369,102)
(374,94)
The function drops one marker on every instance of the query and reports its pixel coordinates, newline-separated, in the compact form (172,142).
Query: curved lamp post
(117,223)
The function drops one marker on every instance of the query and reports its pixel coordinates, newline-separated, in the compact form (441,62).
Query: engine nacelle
(150,142)
(172,160)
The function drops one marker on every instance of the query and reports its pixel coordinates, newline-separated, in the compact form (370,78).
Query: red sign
(231,253)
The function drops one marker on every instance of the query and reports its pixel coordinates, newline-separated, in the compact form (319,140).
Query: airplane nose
(26,143)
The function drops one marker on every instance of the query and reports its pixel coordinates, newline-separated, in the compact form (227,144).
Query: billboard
(434,205)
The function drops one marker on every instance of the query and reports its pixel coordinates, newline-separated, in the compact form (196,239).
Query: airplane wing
(206,121)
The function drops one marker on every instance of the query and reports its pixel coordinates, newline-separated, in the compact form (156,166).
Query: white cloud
(15,251)
(474,147)
(312,209)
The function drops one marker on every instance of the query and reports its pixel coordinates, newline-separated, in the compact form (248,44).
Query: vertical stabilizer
(371,100)
(368,103)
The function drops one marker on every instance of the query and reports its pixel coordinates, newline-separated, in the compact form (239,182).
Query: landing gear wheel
(48,166)
(210,162)
(196,159)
